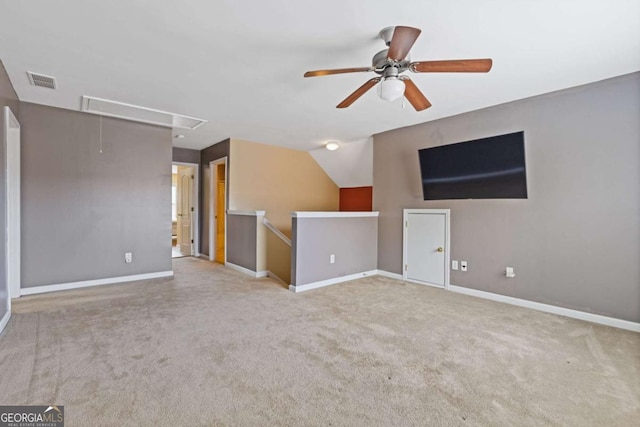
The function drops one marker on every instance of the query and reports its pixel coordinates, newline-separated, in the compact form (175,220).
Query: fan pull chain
(100,134)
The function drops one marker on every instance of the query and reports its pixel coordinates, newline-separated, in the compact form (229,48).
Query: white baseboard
(276,277)
(389,274)
(97,282)
(567,312)
(328,282)
(5,320)
(246,271)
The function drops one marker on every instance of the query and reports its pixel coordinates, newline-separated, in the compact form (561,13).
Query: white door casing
(426,246)
(12,138)
(10,145)
(185,209)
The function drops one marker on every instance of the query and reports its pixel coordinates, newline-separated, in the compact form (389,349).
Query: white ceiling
(239,64)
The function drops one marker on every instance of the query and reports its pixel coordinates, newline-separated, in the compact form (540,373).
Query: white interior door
(426,248)
(185,213)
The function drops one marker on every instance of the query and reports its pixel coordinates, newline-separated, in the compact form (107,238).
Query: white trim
(195,231)
(12,207)
(5,320)
(97,282)
(85,106)
(213,180)
(328,282)
(275,231)
(447,243)
(389,274)
(420,282)
(247,213)
(246,271)
(275,277)
(333,214)
(561,311)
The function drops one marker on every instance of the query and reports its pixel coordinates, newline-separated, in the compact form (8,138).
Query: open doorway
(184,209)
(218,210)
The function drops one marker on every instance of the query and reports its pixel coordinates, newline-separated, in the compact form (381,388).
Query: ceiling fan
(391,63)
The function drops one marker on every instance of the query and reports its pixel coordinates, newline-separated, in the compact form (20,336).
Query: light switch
(454,264)
(463,265)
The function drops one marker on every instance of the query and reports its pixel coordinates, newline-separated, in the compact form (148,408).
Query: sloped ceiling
(349,166)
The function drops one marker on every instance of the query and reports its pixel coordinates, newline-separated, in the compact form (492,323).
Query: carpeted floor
(213,347)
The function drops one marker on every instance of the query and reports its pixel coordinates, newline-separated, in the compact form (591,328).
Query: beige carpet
(211,347)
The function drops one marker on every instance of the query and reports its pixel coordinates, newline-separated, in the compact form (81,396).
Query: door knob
(440,249)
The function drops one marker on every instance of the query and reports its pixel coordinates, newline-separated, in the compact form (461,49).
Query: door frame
(12,200)
(213,185)
(195,228)
(447,244)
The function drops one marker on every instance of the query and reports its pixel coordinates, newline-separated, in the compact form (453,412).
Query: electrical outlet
(332,259)
(463,265)
(509,272)
(128,257)
(454,265)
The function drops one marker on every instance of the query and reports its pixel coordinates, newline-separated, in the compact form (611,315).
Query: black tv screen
(487,168)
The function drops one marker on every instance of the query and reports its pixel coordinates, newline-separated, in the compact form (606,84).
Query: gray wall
(575,242)
(82,210)
(185,155)
(8,98)
(209,154)
(242,232)
(353,241)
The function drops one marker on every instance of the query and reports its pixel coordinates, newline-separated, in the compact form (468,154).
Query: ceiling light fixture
(332,145)
(391,87)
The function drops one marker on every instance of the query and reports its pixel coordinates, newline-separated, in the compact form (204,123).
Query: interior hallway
(213,347)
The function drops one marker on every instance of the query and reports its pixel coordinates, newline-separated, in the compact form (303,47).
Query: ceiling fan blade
(358,93)
(402,42)
(319,73)
(414,96)
(454,66)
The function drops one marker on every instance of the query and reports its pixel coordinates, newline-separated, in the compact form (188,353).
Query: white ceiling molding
(349,166)
(230,64)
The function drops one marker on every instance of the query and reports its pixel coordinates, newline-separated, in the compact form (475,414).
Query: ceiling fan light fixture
(332,145)
(391,88)
(390,63)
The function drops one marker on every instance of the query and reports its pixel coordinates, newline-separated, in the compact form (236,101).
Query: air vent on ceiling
(105,107)
(42,80)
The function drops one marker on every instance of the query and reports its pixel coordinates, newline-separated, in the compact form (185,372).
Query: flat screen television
(487,168)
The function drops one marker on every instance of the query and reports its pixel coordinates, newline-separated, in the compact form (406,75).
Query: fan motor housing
(380,62)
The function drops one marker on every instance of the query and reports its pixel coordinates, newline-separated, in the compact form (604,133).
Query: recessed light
(179,136)
(332,145)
